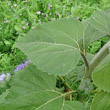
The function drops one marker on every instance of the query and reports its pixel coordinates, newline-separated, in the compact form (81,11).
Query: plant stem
(104,51)
(85,60)
(89,68)
(65,83)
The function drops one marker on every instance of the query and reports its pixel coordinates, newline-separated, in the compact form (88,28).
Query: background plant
(56,48)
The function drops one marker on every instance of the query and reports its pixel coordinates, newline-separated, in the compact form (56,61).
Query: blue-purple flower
(2,77)
(21,66)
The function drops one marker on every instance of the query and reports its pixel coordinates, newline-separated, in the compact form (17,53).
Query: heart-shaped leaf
(53,47)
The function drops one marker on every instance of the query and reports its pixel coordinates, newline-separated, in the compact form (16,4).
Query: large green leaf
(101,76)
(34,90)
(101,101)
(53,46)
(100,20)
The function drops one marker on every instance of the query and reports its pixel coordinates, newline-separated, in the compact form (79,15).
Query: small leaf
(101,101)
(34,90)
(18,29)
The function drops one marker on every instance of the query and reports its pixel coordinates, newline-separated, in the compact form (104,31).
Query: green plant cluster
(58,50)
(19,16)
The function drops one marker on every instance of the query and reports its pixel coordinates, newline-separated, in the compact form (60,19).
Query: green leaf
(53,46)
(90,35)
(101,101)
(34,90)
(18,28)
(100,20)
(101,77)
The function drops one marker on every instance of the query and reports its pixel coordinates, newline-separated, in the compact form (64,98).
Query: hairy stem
(89,67)
(104,51)
(85,60)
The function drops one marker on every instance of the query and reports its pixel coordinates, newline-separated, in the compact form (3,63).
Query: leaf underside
(54,47)
(34,90)
(100,20)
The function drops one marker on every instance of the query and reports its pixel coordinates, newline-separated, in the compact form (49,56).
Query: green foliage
(56,43)
(100,21)
(18,17)
(101,77)
(56,48)
(101,101)
(38,93)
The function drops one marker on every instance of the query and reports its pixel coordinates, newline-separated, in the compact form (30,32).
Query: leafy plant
(55,49)
(20,16)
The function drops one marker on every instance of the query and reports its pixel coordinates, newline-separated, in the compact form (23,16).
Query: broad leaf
(90,35)
(101,76)
(34,90)
(53,47)
(101,101)
(100,20)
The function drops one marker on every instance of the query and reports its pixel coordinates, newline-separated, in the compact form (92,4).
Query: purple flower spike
(27,62)
(22,65)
